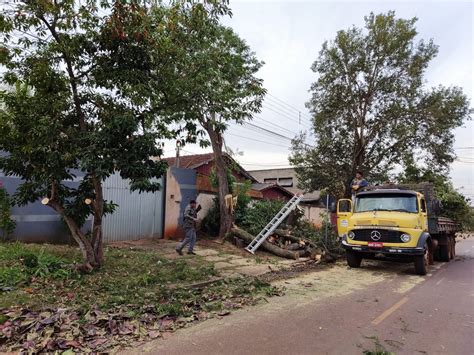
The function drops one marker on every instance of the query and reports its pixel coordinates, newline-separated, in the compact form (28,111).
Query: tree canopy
(217,84)
(372,110)
(453,204)
(93,90)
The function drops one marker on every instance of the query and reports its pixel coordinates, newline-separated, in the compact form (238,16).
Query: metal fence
(139,215)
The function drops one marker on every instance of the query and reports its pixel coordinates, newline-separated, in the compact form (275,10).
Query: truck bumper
(383,250)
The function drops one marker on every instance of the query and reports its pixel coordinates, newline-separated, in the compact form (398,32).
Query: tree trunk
(98,207)
(265,245)
(223,182)
(88,254)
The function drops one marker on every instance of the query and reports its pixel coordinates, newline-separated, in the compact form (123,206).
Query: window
(423,205)
(270,181)
(387,202)
(288,182)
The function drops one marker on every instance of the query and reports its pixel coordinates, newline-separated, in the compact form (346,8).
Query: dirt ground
(227,259)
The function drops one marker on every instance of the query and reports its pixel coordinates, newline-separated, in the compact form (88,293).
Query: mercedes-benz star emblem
(375,235)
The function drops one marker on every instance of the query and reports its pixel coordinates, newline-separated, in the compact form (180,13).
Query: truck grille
(387,236)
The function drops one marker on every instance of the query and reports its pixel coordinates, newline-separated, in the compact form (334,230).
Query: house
(191,180)
(314,208)
(272,191)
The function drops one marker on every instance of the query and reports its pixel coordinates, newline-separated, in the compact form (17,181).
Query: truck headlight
(405,238)
(351,235)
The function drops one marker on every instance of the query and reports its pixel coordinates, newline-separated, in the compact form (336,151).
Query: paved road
(380,307)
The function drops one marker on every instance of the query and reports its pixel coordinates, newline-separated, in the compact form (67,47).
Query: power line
(260,141)
(291,111)
(271,133)
(274,124)
(283,102)
(268,131)
(288,117)
(262,132)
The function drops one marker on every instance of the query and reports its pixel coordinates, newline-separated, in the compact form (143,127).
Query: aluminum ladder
(274,223)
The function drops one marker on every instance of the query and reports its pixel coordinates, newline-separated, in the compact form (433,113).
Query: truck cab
(391,222)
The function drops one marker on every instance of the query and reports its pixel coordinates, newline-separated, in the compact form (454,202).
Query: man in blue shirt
(359,183)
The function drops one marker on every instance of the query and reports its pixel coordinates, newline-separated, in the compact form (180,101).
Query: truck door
(424,215)
(344,211)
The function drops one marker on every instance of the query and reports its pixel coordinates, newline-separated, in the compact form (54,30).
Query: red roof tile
(191,161)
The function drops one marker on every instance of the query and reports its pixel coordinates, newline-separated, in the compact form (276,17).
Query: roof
(311,196)
(388,191)
(196,160)
(270,169)
(191,161)
(263,186)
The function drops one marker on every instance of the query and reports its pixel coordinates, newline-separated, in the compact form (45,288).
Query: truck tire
(444,251)
(353,258)
(422,261)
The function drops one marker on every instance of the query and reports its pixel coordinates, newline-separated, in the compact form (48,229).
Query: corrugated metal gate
(139,215)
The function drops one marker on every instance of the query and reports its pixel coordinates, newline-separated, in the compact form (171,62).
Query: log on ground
(265,245)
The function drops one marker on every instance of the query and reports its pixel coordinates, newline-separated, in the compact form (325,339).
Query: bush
(259,214)
(211,223)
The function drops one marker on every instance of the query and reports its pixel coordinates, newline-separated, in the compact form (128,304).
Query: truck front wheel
(353,258)
(422,262)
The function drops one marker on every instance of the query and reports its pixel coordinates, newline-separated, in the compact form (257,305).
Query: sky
(288,35)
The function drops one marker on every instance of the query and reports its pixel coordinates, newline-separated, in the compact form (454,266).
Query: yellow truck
(396,222)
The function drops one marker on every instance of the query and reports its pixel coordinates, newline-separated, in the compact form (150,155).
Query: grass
(41,276)
(44,300)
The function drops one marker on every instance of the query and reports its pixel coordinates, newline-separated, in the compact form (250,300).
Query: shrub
(210,224)
(259,214)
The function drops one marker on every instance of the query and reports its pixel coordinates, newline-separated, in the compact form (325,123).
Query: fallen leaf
(154,334)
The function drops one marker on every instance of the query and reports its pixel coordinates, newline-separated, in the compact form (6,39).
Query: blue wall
(36,222)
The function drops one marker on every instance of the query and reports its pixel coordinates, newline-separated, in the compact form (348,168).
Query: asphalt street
(382,306)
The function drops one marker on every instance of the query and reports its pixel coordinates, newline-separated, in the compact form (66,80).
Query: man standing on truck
(358,184)
(189,225)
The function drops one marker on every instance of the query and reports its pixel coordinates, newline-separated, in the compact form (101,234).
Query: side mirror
(333,207)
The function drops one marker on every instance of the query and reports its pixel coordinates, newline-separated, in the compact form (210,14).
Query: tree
(453,204)
(371,109)
(80,106)
(217,85)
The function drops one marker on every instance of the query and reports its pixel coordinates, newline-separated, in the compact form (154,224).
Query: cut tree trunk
(247,237)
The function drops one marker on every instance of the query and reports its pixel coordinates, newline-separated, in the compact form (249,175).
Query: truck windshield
(386,202)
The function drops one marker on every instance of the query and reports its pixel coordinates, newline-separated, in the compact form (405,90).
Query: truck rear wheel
(353,258)
(452,247)
(422,262)
(444,252)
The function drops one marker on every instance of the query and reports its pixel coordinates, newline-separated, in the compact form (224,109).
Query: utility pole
(178,148)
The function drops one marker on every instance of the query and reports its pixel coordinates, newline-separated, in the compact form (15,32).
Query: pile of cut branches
(284,244)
